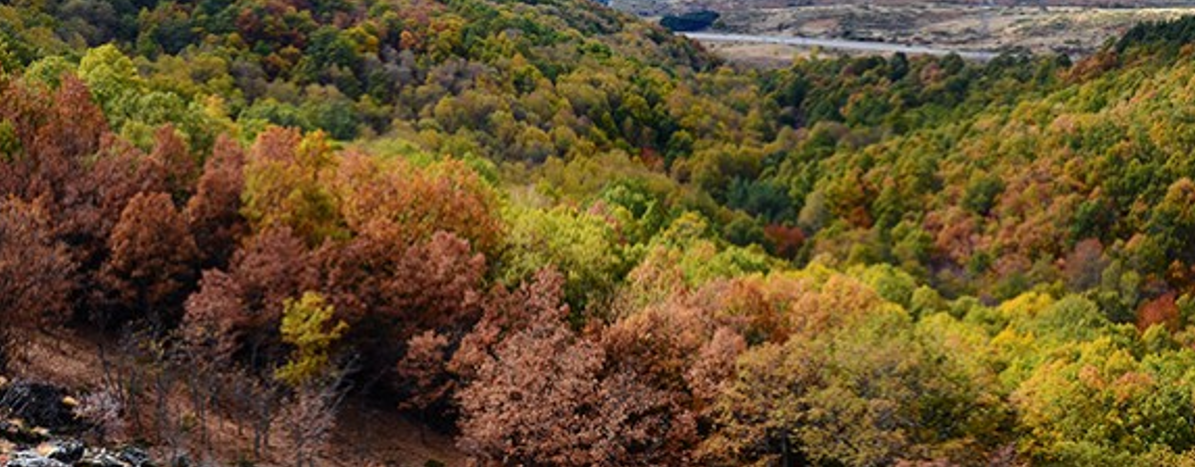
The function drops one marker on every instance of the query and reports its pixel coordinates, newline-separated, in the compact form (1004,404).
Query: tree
(214,212)
(714,367)
(179,166)
(544,399)
(152,264)
(866,393)
(395,201)
(36,271)
(287,180)
(423,369)
(1098,403)
(506,313)
(389,293)
(1159,311)
(271,266)
(307,325)
(582,244)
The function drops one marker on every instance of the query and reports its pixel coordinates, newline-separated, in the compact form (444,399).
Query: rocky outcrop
(38,428)
(72,453)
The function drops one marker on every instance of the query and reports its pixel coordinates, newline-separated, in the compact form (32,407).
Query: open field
(1071,27)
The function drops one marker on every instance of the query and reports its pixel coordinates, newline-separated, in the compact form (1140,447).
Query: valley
(1075,27)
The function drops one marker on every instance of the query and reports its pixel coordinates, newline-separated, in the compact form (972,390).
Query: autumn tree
(307,325)
(269,268)
(36,271)
(505,313)
(423,372)
(544,398)
(152,265)
(389,293)
(316,380)
(806,401)
(179,167)
(214,212)
(393,200)
(286,184)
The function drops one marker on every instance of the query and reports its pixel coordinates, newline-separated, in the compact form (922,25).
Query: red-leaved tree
(152,264)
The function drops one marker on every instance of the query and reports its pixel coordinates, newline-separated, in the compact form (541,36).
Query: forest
(558,235)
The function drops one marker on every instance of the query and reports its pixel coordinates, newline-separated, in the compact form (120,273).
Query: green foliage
(866,394)
(582,246)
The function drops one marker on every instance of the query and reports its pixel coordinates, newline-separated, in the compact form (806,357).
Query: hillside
(345,232)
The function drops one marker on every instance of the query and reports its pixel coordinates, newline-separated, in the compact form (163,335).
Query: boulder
(68,451)
(31,459)
(38,405)
(15,430)
(99,458)
(127,457)
(135,457)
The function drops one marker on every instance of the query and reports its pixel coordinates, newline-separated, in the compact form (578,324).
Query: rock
(31,459)
(99,458)
(127,457)
(68,451)
(135,457)
(37,404)
(9,430)
(14,430)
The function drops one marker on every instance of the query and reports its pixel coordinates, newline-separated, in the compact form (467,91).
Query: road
(840,44)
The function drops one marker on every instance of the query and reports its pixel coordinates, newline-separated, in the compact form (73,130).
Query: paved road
(841,44)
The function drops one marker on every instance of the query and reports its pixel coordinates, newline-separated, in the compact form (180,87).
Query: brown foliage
(784,241)
(178,165)
(424,286)
(714,366)
(506,313)
(36,273)
(1161,310)
(214,211)
(272,266)
(388,294)
(1084,266)
(661,342)
(152,262)
(424,369)
(119,173)
(543,399)
(212,314)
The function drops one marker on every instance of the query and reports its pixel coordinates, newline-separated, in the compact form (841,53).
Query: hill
(560,235)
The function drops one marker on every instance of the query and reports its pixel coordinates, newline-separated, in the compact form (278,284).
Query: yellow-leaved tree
(307,325)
